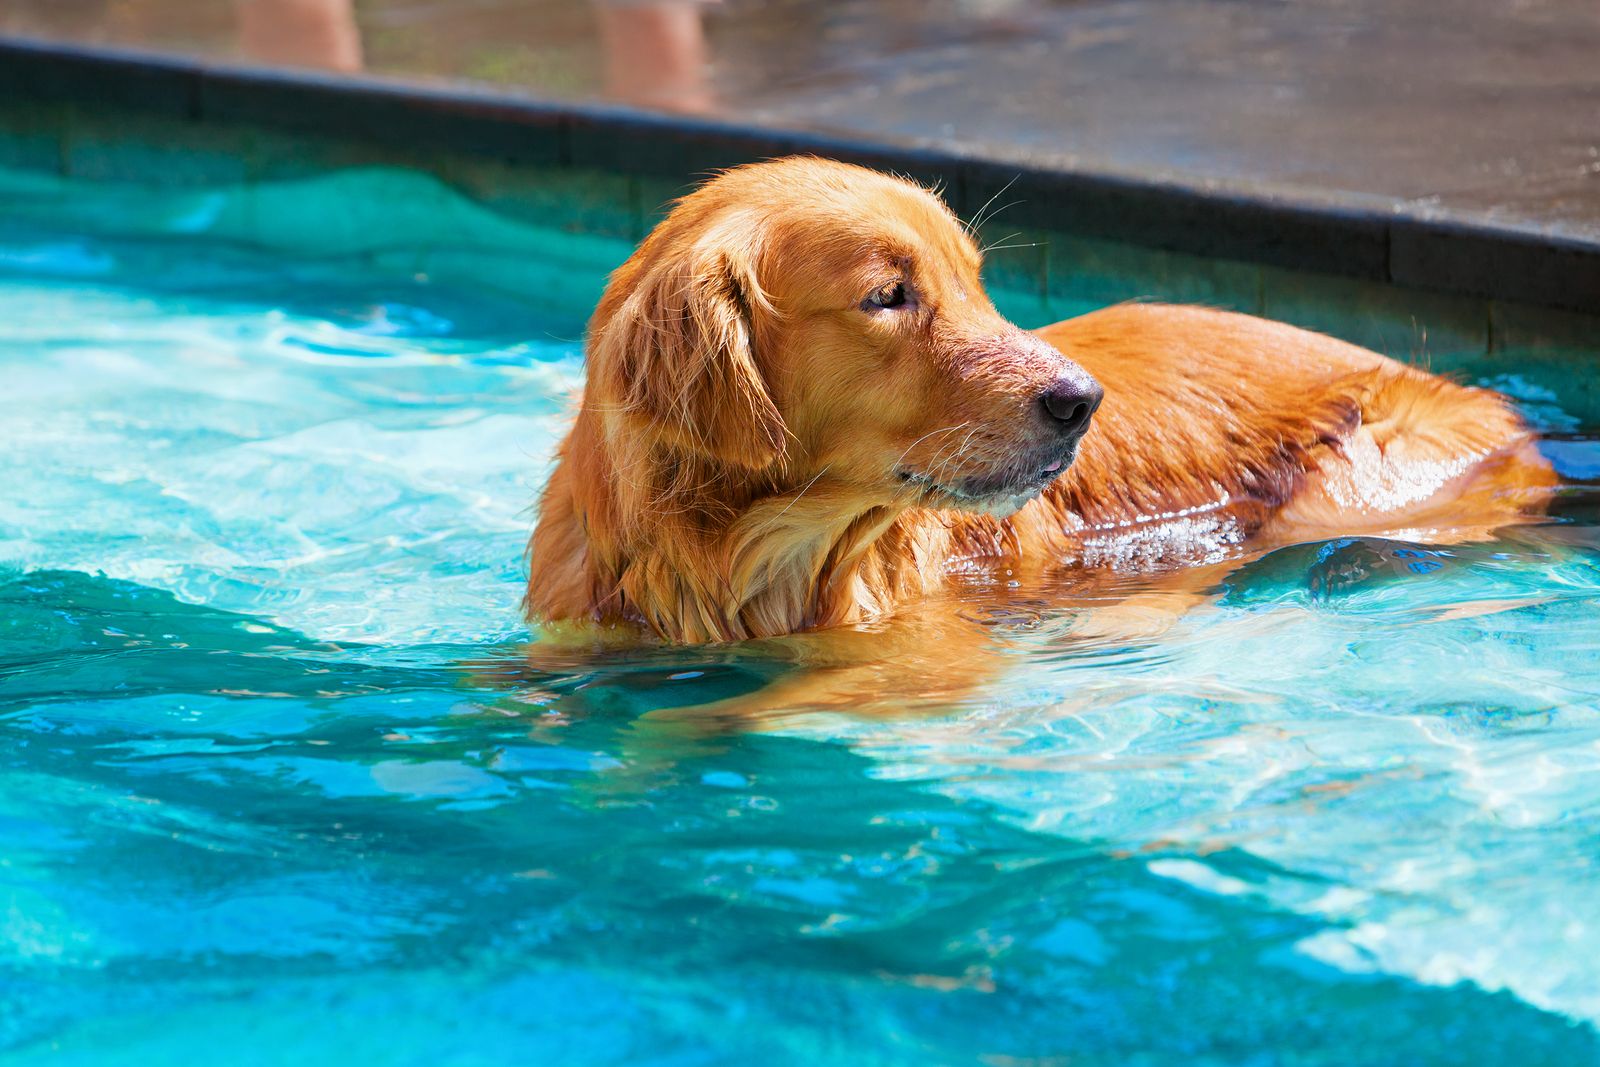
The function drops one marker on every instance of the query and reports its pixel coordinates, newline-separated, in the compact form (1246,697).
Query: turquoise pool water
(276,792)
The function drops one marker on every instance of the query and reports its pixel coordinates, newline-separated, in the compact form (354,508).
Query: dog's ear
(677,355)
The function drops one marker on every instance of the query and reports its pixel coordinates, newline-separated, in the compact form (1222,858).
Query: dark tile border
(49,72)
(414,118)
(1525,267)
(1349,238)
(1179,218)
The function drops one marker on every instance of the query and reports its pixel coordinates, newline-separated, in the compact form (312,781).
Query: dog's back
(1290,432)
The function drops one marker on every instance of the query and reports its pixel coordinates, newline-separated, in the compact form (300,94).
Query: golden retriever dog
(803,412)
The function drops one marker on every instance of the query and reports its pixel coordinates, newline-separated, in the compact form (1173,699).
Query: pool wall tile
(276,155)
(1407,324)
(1029,310)
(1520,327)
(1016,259)
(1110,272)
(1219,283)
(33,136)
(131,147)
(652,199)
(1101,272)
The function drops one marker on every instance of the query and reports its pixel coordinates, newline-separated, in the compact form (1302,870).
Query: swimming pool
(278,790)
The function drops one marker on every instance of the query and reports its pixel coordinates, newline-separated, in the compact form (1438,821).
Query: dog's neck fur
(694,552)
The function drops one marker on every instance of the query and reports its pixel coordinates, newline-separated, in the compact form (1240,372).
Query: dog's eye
(892,295)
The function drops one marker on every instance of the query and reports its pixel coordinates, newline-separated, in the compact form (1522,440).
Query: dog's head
(801,317)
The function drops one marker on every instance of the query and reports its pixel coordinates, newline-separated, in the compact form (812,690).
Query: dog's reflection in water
(940,659)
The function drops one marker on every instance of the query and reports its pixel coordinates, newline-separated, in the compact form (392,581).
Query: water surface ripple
(277,789)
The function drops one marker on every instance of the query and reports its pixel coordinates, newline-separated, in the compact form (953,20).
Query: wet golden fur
(760,452)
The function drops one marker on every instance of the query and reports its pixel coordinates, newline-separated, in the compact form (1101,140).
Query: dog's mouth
(998,494)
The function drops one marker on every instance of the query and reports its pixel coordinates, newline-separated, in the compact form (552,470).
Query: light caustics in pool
(267,744)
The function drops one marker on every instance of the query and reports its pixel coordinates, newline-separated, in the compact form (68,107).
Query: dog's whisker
(989,245)
(999,243)
(949,457)
(943,429)
(1002,248)
(979,218)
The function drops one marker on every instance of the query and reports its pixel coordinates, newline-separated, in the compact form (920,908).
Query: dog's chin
(999,495)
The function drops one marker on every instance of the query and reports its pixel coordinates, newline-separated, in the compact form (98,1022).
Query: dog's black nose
(1071,402)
